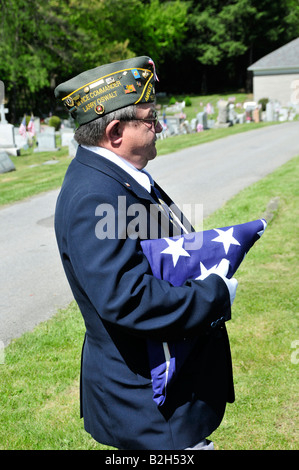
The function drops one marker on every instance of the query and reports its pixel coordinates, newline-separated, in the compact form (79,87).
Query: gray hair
(93,132)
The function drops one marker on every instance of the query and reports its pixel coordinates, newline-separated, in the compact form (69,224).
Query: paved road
(212,173)
(32,282)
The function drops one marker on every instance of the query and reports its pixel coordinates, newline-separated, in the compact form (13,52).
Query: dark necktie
(172,217)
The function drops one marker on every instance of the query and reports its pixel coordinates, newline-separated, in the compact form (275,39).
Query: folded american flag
(185,257)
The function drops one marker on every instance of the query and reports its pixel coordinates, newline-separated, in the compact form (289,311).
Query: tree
(230,35)
(45,41)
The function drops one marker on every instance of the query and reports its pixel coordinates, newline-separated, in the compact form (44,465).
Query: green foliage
(172,100)
(55,121)
(263,102)
(44,43)
(188,101)
(219,32)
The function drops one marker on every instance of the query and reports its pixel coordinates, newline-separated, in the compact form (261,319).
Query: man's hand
(222,270)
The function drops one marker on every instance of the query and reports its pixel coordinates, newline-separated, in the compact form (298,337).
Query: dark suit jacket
(122,305)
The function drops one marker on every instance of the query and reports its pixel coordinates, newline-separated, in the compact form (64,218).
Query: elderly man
(122,303)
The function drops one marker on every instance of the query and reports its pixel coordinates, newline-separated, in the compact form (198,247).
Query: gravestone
(283,114)
(7,139)
(37,124)
(232,115)
(202,118)
(222,118)
(173,124)
(20,140)
(73,145)
(175,108)
(46,142)
(6,164)
(3,111)
(47,129)
(241,118)
(193,124)
(67,134)
(270,111)
(185,127)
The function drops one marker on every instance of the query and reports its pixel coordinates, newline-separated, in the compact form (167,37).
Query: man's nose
(158,128)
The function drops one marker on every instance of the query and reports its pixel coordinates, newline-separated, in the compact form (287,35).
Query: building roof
(285,58)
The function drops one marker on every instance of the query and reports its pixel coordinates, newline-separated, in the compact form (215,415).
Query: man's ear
(114,133)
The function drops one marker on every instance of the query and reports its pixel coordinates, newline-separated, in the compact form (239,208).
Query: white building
(276,75)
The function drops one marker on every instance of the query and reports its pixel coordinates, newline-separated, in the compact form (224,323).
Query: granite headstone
(6,164)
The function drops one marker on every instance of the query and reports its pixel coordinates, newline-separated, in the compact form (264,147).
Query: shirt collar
(141,176)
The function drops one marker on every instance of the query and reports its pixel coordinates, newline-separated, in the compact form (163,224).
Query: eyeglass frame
(155,120)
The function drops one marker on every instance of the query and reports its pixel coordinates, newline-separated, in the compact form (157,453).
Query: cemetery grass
(39,400)
(35,173)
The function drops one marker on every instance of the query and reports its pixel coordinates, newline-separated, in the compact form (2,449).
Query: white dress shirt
(141,176)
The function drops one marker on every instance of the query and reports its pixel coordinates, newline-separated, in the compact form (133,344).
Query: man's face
(140,137)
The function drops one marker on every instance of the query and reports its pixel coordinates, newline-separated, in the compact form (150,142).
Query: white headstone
(45,142)
(37,124)
(283,114)
(232,117)
(7,139)
(241,118)
(21,141)
(269,111)
(3,111)
(67,135)
(173,124)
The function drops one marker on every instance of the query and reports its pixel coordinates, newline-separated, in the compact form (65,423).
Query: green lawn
(39,403)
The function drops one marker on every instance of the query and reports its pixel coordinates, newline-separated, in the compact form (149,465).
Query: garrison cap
(106,88)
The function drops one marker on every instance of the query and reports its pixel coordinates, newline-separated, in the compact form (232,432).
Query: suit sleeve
(117,278)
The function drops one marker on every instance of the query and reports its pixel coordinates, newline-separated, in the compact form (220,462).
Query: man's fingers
(223,267)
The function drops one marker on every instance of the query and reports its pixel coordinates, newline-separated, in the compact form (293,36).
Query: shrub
(263,102)
(188,101)
(172,100)
(55,121)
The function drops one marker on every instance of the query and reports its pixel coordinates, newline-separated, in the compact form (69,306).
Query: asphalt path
(32,282)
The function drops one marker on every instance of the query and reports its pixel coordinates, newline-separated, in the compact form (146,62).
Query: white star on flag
(205,272)
(175,248)
(225,237)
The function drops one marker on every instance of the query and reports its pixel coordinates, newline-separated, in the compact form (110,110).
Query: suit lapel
(112,170)
(93,160)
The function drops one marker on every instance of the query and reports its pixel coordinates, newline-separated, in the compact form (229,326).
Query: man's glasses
(154,119)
